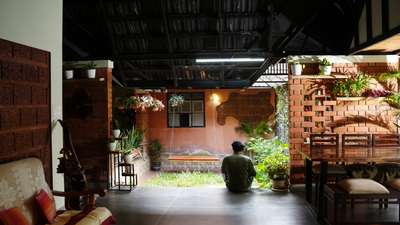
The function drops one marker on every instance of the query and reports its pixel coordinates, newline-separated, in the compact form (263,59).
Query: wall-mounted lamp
(216,99)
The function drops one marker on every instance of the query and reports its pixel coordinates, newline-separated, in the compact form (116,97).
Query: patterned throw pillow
(13,216)
(46,205)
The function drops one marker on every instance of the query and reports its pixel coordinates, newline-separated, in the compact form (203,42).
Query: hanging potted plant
(176,100)
(133,141)
(116,131)
(297,68)
(277,169)
(155,148)
(325,67)
(91,70)
(112,144)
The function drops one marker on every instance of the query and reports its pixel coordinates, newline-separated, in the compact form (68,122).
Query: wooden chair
(357,143)
(385,140)
(326,144)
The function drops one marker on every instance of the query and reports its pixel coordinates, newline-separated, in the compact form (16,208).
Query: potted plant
(68,71)
(155,154)
(277,169)
(297,68)
(351,87)
(116,131)
(91,70)
(325,67)
(112,144)
(132,141)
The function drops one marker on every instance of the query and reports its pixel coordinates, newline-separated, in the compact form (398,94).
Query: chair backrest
(19,182)
(323,142)
(386,140)
(356,141)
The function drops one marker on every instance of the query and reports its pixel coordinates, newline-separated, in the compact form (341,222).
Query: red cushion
(46,205)
(13,216)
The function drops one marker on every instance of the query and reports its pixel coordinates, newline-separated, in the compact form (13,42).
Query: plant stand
(130,179)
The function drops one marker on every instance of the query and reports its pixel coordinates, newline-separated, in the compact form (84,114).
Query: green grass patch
(186,179)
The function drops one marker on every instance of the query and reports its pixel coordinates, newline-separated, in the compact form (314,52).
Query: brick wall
(312,109)
(90,134)
(24,104)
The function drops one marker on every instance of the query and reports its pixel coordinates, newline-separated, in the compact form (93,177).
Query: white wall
(38,23)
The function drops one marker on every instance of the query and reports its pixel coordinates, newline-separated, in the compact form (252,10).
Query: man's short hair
(237,146)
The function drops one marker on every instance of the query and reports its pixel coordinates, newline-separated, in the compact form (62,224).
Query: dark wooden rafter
(170,47)
(385,16)
(368,7)
(110,35)
(221,39)
(358,8)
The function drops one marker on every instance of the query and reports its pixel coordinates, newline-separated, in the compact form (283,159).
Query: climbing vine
(282,113)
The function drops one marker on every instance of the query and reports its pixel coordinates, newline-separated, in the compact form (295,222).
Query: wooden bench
(339,198)
(194,158)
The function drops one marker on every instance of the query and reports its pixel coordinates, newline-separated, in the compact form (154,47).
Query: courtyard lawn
(186,179)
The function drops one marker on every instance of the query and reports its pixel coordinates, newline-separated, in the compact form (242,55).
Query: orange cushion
(46,205)
(13,216)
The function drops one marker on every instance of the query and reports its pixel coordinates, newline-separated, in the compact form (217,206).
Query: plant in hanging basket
(176,100)
(139,103)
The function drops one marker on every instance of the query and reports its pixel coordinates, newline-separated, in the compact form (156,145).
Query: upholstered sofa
(21,180)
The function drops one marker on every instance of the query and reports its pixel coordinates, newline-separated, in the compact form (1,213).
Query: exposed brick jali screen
(25,104)
(312,109)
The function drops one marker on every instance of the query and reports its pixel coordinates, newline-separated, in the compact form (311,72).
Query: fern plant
(351,87)
(259,130)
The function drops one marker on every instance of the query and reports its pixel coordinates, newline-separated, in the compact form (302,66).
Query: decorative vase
(91,73)
(297,69)
(155,165)
(69,74)
(116,133)
(280,185)
(112,146)
(325,70)
(128,158)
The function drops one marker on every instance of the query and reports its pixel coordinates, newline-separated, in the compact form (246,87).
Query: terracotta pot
(280,185)
(91,73)
(325,70)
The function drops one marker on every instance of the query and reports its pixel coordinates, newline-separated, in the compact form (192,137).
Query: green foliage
(185,179)
(132,140)
(389,76)
(277,165)
(259,130)
(351,87)
(393,100)
(90,65)
(116,124)
(325,62)
(155,149)
(282,113)
(262,149)
(125,102)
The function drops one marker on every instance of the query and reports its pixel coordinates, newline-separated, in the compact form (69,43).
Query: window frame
(191,110)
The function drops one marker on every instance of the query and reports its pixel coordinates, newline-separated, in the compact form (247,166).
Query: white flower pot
(91,73)
(68,74)
(297,69)
(116,133)
(325,70)
(112,146)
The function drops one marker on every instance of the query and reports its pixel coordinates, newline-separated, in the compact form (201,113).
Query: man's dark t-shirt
(239,172)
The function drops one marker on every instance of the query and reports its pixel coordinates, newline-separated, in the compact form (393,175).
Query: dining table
(325,157)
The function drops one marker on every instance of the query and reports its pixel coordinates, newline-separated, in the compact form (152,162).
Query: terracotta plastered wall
(214,138)
(312,109)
